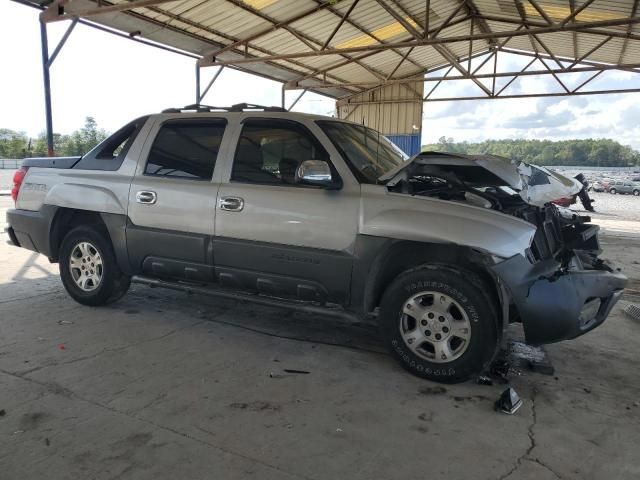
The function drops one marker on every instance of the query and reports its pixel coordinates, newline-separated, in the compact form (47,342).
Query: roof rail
(238,107)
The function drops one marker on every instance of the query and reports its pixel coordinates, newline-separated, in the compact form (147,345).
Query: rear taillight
(18,177)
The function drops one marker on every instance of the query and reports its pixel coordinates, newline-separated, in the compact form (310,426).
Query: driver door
(274,235)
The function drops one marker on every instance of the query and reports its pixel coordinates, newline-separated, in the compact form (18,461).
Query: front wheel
(612,191)
(89,269)
(636,192)
(439,323)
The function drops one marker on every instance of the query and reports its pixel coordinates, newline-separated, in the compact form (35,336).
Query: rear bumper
(29,229)
(556,305)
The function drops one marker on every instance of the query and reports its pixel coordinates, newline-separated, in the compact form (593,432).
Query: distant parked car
(598,186)
(624,187)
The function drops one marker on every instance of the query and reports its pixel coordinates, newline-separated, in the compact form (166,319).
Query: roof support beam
(448,19)
(297,99)
(572,7)
(634,11)
(266,31)
(576,12)
(62,41)
(210,84)
(437,41)
(357,26)
(541,11)
(240,4)
(177,18)
(530,95)
(564,87)
(427,18)
(590,63)
(340,22)
(515,77)
(521,73)
(588,80)
(56,11)
(441,49)
(577,27)
(593,50)
(324,70)
(400,19)
(438,84)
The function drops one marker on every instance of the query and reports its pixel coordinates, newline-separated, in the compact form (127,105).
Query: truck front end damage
(558,286)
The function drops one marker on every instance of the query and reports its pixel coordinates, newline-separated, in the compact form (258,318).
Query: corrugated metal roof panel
(278,27)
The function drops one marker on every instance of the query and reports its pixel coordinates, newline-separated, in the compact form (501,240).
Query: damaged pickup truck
(280,208)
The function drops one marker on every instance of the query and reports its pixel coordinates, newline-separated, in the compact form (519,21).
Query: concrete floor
(165,385)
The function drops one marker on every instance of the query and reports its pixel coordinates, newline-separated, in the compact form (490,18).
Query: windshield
(368,153)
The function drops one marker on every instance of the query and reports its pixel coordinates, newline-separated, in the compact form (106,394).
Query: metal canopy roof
(344,47)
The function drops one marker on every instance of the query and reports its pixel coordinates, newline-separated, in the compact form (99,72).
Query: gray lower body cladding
(555,305)
(30,230)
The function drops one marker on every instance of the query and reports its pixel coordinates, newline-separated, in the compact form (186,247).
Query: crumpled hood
(535,184)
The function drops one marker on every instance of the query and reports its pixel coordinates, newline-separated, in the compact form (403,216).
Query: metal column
(47,86)
(47,61)
(197,84)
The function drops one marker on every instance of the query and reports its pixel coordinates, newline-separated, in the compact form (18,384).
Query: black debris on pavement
(509,402)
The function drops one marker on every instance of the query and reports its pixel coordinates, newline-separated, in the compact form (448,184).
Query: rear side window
(270,151)
(110,153)
(186,149)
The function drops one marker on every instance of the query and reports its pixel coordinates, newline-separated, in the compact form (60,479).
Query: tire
(612,191)
(470,308)
(103,283)
(636,192)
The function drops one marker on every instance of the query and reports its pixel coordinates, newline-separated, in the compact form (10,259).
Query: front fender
(430,220)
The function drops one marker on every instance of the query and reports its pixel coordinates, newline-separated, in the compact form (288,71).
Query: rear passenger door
(276,236)
(172,200)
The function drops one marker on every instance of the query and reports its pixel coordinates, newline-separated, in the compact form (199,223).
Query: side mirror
(315,172)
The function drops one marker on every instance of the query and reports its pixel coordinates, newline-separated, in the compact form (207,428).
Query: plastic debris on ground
(633,311)
(509,402)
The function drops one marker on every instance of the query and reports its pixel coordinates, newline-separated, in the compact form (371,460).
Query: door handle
(147,197)
(231,204)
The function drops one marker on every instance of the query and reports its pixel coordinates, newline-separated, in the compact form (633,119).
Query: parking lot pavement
(167,385)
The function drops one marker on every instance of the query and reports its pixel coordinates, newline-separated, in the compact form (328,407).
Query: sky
(115,80)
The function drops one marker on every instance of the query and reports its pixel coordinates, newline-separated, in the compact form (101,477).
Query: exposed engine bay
(514,188)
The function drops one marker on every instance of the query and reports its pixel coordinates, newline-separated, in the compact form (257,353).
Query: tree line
(19,145)
(590,152)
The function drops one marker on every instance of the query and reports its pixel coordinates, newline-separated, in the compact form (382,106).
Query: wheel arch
(397,256)
(113,226)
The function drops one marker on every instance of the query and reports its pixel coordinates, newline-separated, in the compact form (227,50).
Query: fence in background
(9,164)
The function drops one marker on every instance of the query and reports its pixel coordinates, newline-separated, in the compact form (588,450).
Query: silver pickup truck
(323,215)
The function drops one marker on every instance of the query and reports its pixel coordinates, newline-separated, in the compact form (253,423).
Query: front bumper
(559,305)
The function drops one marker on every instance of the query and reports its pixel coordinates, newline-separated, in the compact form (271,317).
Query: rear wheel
(88,268)
(636,192)
(439,323)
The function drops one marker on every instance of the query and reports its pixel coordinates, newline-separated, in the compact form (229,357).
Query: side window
(186,149)
(110,153)
(270,151)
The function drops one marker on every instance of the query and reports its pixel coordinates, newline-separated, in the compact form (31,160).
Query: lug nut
(445,329)
(431,315)
(423,322)
(427,333)
(441,318)
(438,336)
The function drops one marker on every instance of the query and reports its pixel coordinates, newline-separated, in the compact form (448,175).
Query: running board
(253,298)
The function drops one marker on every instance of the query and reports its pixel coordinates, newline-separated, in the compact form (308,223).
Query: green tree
(18,145)
(589,152)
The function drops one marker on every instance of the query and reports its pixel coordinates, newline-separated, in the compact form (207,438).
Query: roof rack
(238,107)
